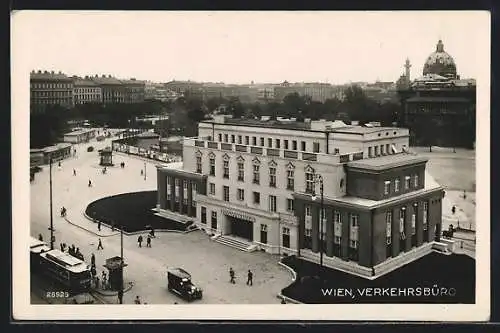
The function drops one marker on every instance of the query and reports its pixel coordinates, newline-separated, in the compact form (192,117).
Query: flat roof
(430,184)
(56,147)
(79,132)
(364,129)
(439,99)
(387,161)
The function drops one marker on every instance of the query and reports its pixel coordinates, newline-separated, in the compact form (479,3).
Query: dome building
(438,108)
(440,63)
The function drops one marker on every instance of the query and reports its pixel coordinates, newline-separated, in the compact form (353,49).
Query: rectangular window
(396,185)
(214,220)
(382,149)
(289,205)
(226,170)
(309,182)
(212,166)
(286,144)
(185,185)
(204,215)
(294,145)
(270,143)
(232,138)
(169,181)
(303,145)
(177,182)
(387,187)
(413,221)
(353,244)
(194,187)
(272,203)
(376,150)
(247,140)
(278,143)
(256,174)
(226,137)
(256,197)
(337,224)
(286,237)
(262,142)
(388,222)
(226,193)
(241,171)
(354,220)
(402,214)
(290,180)
(316,147)
(272,176)
(308,210)
(425,214)
(407,182)
(415,181)
(263,233)
(254,141)
(240,139)
(211,188)
(220,137)
(241,194)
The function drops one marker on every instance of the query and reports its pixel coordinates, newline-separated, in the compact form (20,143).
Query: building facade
(113,91)
(134,90)
(86,91)
(254,184)
(50,88)
(439,108)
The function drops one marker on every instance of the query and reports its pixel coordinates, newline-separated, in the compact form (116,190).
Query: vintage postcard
(251,165)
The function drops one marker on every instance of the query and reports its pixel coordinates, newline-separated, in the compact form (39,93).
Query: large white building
(250,183)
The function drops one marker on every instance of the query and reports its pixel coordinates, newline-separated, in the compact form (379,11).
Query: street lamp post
(50,200)
(144,170)
(319,179)
(121,264)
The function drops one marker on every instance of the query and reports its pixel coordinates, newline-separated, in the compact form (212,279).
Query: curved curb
(88,230)
(113,293)
(292,272)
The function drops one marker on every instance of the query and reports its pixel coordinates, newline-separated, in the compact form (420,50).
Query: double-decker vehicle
(70,272)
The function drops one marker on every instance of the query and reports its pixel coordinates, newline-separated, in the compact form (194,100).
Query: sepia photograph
(250,165)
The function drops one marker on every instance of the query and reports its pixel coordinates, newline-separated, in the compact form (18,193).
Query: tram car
(70,272)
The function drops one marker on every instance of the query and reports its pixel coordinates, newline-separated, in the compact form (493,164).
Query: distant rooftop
(46,75)
(387,161)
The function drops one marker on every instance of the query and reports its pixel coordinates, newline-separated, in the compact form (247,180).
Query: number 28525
(57,294)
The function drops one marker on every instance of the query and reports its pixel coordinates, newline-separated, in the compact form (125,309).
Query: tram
(70,272)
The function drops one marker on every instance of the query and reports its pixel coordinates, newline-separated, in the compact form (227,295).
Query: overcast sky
(238,47)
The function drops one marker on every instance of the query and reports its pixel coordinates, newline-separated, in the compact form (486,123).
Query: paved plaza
(206,260)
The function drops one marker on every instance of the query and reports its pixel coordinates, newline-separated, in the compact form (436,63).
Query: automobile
(179,282)
(90,149)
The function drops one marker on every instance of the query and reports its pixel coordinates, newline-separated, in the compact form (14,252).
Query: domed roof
(440,63)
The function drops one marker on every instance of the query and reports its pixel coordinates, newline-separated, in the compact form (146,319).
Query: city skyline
(240,47)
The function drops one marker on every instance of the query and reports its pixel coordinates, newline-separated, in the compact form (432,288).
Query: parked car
(90,149)
(179,282)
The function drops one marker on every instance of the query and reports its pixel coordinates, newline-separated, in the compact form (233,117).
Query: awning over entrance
(238,215)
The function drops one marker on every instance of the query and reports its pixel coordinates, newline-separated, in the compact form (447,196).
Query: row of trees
(51,122)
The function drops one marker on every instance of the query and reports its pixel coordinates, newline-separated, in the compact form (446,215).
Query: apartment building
(255,185)
(86,91)
(50,88)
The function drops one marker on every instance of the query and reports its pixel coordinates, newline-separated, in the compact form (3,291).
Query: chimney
(86,76)
(51,72)
(60,72)
(39,72)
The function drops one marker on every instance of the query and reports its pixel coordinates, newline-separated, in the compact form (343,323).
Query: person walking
(139,240)
(120,296)
(74,172)
(99,225)
(453,209)
(92,260)
(148,242)
(231,276)
(250,278)
(137,300)
(99,246)
(90,183)
(40,237)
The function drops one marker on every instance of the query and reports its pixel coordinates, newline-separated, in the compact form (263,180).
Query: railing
(274,152)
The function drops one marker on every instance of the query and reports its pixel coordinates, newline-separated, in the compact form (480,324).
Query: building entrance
(241,228)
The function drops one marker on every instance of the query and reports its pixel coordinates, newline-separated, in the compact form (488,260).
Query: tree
(235,107)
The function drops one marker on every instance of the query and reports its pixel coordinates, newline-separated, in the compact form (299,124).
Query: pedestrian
(40,237)
(59,164)
(453,209)
(137,300)
(96,281)
(148,242)
(92,260)
(104,283)
(99,246)
(465,195)
(74,172)
(250,278)
(90,183)
(93,271)
(120,296)
(231,275)
(99,225)
(283,301)
(142,172)
(139,240)
(62,247)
